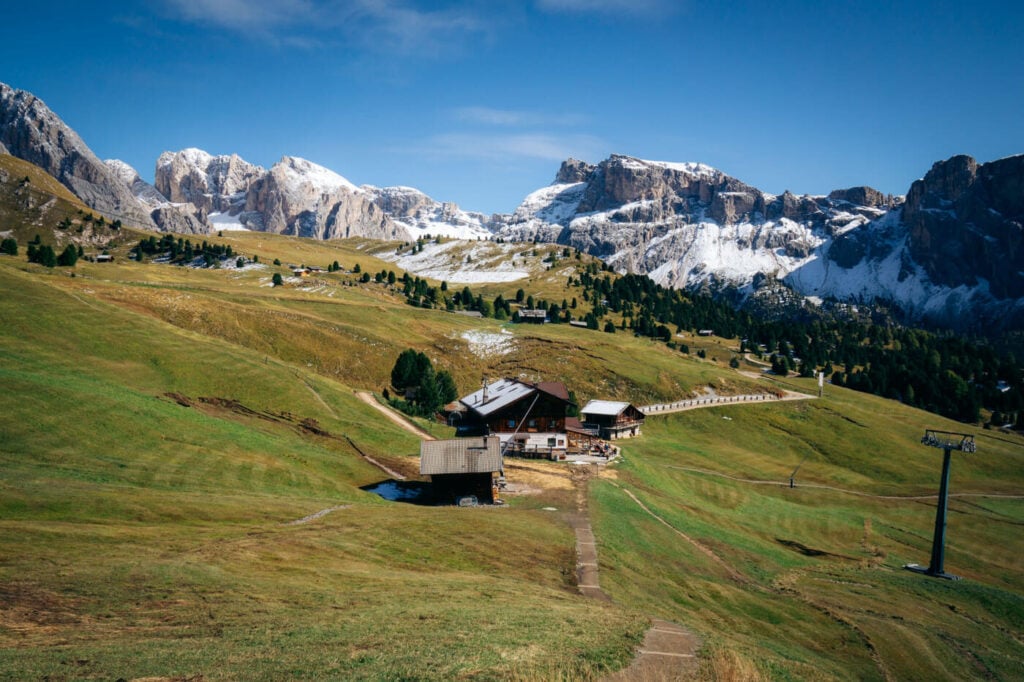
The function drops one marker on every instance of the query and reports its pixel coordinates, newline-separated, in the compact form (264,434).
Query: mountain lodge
(528,418)
(612,419)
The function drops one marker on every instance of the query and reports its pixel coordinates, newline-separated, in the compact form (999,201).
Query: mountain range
(949,252)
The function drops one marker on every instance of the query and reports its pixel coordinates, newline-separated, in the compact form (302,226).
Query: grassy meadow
(166,435)
(807,582)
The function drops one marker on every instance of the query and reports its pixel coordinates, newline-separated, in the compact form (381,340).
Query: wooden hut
(612,419)
(462,467)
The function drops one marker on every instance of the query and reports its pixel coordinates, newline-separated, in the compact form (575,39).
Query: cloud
(544,146)
(384,25)
(243,14)
(634,7)
(514,118)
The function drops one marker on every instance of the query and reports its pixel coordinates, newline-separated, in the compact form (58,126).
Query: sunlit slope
(807,582)
(141,537)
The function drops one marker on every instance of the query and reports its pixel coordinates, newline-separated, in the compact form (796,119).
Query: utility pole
(948,441)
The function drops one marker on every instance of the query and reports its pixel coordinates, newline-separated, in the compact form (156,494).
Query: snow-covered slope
(420,215)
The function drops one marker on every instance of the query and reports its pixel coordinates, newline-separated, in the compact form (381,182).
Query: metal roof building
(460,456)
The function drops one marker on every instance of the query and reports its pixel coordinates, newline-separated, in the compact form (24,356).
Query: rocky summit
(30,131)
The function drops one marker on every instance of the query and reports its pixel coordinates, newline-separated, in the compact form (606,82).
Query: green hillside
(169,436)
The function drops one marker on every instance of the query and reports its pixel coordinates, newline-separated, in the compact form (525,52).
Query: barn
(612,419)
(462,467)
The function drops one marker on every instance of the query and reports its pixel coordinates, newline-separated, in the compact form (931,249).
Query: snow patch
(226,223)
(488,344)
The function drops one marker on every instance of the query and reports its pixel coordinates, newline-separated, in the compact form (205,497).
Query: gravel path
(395,417)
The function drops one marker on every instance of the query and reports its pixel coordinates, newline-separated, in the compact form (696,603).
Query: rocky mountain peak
(211,183)
(30,131)
(967,222)
(859,196)
(573,170)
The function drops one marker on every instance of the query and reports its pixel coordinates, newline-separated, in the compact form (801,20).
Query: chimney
(485,389)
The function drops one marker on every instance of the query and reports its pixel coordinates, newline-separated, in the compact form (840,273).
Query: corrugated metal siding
(460,456)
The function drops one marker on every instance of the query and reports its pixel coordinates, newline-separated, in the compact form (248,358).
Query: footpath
(669,651)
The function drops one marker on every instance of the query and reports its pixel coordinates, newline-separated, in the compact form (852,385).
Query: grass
(140,536)
(808,582)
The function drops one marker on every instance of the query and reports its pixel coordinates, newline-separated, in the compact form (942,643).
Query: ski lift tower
(948,441)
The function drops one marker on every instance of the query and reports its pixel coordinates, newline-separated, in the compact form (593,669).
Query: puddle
(402,491)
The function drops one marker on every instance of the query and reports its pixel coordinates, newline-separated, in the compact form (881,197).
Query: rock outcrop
(216,184)
(30,131)
(966,224)
(301,198)
(419,214)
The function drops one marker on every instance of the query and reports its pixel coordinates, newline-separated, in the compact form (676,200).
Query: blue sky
(478,102)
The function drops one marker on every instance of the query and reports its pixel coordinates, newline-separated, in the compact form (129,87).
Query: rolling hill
(182,493)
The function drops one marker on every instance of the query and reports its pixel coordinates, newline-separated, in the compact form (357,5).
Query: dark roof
(555,388)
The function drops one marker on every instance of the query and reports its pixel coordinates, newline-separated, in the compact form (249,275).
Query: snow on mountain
(947,252)
(420,215)
(303,172)
(142,190)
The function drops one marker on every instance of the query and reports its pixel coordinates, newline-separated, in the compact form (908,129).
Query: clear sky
(479,102)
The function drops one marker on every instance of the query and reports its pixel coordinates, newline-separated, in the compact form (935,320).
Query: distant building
(462,467)
(706,332)
(611,419)
(104,258)
(532,315)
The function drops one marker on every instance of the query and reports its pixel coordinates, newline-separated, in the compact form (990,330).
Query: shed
(532,315)
(613,419)
(462,466)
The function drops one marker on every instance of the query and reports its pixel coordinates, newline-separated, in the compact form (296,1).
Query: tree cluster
(182,251)
(425,390)
(938,372)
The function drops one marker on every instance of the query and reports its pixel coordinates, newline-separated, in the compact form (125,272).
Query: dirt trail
(398,419)
(669,651)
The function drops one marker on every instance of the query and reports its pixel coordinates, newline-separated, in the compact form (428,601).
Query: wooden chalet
(528,418)
(462,467)
(612,419)
(532,315)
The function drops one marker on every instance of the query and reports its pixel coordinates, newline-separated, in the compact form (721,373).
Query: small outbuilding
(532,315)
(612,419)
(462,467)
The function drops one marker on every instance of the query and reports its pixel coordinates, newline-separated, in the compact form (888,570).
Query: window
(551,442)
(511,423)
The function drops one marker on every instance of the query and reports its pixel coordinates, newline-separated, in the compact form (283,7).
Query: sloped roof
(607,408)
(460,456)
(555,388)
(501,393)
(504,392)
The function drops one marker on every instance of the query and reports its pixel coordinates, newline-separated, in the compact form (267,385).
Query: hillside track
(844,491)
(669,651)
(395,417)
